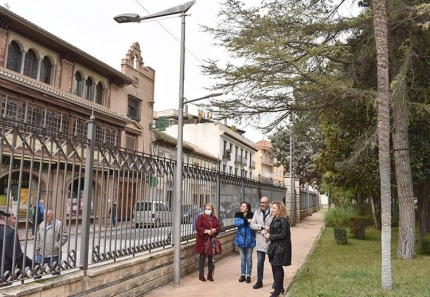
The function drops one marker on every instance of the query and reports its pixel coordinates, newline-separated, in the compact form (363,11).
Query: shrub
(340,234)
(357,226)
(338,217)
(425,244)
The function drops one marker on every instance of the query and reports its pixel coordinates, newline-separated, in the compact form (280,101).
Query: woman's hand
(267,235)
(267,228)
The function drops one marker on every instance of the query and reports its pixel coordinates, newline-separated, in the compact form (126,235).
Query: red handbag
(211,246)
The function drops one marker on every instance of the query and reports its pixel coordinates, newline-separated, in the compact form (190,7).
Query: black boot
(258,285)
(241,279)
(274,294)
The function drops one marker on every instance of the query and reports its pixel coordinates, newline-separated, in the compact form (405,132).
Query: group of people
(50,237)
(267,230)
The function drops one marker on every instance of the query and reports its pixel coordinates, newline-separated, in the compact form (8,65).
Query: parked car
(154,213)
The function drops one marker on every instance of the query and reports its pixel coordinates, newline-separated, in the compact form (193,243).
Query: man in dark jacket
(8,221)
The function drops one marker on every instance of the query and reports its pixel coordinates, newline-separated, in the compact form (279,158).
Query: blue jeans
(245,260)
(113,220)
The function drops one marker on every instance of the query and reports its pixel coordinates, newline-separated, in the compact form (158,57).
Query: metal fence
(109,202)
(308,199)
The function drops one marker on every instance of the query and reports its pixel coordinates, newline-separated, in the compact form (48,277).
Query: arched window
(88,88)
(30,64)
(99,94)
(14,57)
(45,71)
(77,85)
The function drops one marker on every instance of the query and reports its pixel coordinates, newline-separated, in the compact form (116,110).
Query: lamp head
(127,18)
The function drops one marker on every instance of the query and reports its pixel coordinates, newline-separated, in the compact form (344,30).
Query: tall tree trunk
(406,241)
(381,40)
(424,207)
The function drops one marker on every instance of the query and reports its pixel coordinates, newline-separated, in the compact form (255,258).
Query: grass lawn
(355,269)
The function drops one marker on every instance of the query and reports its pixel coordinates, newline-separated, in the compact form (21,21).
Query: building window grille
(133,110)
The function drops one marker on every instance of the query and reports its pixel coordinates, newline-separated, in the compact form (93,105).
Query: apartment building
(235,152)
(265,168)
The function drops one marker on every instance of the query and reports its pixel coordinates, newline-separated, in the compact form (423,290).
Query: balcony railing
(244,161)
(238,159)
(252,165)
(267,161)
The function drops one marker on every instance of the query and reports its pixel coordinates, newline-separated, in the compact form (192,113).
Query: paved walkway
(227,270)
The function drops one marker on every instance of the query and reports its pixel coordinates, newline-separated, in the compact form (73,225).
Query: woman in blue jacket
(245,240)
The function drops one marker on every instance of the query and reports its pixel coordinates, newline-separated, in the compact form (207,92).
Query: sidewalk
(227,270)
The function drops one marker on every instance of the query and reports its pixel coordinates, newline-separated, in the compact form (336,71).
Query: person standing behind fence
(8,218)
(37,216)
(114,211)
(51,237)
(279,250)
(207,225)
(245,240)
(261,224)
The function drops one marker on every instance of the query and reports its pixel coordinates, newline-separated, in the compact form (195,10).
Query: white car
(154,213)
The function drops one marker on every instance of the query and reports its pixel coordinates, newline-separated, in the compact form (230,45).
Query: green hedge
(340,234)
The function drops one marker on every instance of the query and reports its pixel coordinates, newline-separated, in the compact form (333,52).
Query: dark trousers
(278,276)
(202,259)
(261,257)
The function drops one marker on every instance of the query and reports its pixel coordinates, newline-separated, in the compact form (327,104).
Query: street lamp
(135,18)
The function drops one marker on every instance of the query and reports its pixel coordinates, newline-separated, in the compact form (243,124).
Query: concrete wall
(131,277)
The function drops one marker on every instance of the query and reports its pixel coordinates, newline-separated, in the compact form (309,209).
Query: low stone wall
(130,277)
(304,213)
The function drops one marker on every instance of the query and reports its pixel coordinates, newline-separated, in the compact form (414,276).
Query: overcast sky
(89,25)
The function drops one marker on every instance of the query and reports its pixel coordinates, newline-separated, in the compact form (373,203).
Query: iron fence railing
(308,199)
(80,179)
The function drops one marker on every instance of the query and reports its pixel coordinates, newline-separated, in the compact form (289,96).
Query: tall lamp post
(135,18)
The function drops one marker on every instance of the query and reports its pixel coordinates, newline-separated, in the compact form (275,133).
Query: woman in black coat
(279,250)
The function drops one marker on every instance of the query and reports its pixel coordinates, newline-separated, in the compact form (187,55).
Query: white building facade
(235,152)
